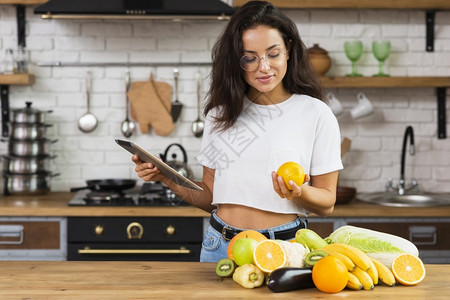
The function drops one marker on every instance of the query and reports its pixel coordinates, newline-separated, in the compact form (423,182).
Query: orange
(269,255)
(291,171)
(330,275)
(251,234)
(408,269)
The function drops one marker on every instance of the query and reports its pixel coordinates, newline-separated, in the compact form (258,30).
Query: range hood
(135,9)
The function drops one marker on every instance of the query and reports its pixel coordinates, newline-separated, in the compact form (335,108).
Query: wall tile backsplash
(376,139)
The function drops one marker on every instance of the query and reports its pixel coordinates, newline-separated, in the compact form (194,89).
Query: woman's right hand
(147,171)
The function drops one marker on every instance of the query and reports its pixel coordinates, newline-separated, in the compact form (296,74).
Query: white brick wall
(377,139)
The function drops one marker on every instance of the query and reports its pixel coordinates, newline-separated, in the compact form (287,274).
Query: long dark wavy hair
(228,86)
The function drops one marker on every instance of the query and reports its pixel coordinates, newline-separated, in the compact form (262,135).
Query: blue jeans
(214,246)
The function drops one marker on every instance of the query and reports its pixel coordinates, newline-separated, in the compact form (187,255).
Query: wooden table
(175,280)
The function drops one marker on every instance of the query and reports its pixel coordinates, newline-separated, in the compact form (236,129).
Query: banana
(359,258)
(384,274)
(353,282)
(364,278)
(343,258)
(373,272)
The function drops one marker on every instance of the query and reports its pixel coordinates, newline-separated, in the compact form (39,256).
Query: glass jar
(22,60)
(9,65)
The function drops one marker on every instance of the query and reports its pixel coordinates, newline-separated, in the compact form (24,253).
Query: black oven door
(128,238)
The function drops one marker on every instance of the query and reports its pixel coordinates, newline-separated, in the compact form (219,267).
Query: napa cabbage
(382,246)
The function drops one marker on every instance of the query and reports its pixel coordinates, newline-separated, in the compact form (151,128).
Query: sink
(403,194)
(408,200)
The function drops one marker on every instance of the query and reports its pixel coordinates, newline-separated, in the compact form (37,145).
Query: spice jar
(22,60)
(320,59)
(9,64)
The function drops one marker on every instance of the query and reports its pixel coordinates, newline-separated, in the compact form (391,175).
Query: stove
(149,194)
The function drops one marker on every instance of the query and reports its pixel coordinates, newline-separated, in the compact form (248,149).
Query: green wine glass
(353,50)
(381,51)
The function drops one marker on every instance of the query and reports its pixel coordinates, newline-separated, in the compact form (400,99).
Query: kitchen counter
(174,280)
(55,204)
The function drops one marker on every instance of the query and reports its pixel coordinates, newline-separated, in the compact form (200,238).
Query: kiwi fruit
(225,267)
(313,257)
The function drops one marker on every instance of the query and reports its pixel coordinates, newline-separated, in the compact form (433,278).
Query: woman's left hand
(281,189)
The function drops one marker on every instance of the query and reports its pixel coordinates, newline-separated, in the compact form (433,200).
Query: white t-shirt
(301,129)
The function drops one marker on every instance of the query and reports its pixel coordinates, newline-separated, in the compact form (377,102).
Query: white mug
(364,107)
(335,104)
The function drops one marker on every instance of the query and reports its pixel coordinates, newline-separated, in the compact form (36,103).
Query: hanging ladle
(127,127)
(198,125)
(87,122)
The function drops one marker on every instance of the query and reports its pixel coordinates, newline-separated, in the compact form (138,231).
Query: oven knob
(135,231)
(99,229)
(170,230)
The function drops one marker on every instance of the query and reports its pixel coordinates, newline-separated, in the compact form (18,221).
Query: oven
(128,238)
(133,238)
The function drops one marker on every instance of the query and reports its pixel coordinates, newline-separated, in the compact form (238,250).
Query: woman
(262,110)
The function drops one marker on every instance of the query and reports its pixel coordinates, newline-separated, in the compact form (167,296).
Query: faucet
(401,187)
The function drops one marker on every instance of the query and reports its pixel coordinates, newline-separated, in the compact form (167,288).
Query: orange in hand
(291,171)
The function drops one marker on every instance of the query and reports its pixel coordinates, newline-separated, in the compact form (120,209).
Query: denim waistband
(271,231)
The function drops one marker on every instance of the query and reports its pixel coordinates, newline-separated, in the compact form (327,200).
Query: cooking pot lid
(28,176)
(27,109)
(29,158)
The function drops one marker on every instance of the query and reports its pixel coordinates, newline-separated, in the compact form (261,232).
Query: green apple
(243,251)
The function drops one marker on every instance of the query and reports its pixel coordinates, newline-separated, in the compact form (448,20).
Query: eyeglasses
(250,62)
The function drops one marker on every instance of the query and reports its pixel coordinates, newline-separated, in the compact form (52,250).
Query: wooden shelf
(352,4)
(23,2)
(16,79)
(385,82)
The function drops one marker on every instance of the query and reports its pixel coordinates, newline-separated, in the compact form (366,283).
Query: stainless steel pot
(28,131)
(28,114)
(30,184)
(26,165)
(30,147)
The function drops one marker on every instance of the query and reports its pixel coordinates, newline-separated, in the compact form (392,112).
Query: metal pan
(107,184)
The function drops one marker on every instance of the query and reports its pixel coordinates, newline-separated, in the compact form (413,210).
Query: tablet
(164,168)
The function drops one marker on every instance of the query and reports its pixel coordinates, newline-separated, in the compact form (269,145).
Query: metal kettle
(179,166)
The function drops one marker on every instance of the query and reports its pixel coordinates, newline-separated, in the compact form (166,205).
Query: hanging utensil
(127,127)
(87,122)
(176,105)
(198,125)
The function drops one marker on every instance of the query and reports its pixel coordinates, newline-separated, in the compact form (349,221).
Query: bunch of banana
(384,273)
(353,282)
(364,272)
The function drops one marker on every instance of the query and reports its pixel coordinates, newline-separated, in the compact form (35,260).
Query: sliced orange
(408,269)
(269,255)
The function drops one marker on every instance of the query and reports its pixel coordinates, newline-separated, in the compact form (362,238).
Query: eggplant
(289,279)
